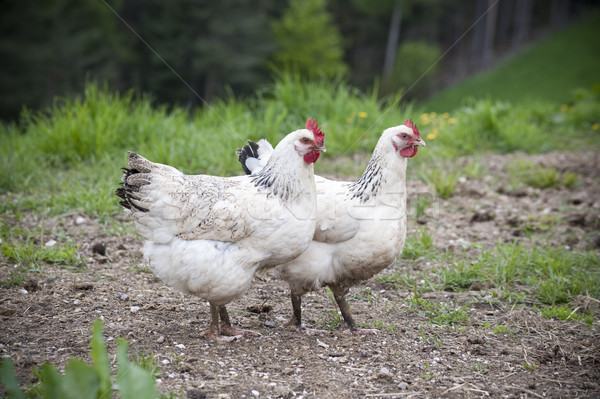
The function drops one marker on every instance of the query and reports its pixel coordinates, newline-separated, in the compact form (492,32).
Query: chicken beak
(320,147)
(419,142)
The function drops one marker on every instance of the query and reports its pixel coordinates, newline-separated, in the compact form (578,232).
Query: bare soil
(50,317)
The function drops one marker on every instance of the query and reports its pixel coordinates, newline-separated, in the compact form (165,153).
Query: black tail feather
(247,151)
(125,192)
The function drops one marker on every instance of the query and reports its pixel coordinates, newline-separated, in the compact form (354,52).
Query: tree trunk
(490,31)
(478,38)
(559,13)
(522,23)
(505,20)
(392,43)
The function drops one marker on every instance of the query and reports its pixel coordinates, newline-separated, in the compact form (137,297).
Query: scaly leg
(212,333)
(340,298)
(296,320)
(227,329)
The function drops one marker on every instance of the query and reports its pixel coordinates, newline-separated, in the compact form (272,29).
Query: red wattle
(409,152)
(312,157)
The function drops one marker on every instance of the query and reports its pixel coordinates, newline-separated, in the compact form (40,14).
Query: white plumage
(361,226)
(208,235)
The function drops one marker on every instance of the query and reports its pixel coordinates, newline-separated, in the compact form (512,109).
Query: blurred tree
(309,42)
(414,69)
(210,45)
(52,47)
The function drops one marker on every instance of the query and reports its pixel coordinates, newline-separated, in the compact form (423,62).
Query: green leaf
(133,381)
(51,381)
(100,359)
(9,381)
(81,381)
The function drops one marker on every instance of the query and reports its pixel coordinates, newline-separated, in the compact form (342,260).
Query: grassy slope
(547,71)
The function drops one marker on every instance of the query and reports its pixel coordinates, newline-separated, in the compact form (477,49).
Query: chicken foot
(229,333)
(296,320)
(227,329)
(340,297)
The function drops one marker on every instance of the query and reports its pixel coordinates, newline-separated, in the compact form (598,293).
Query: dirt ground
(50,317)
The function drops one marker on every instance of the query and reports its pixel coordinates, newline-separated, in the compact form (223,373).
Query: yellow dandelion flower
(452,121)
(434,131)
(425,119)
(362,114)
(595,126)
(431,136)
(564,108)
(446,115)
(432,114)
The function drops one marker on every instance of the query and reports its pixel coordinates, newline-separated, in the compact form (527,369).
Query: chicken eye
(404,135)
(305,140)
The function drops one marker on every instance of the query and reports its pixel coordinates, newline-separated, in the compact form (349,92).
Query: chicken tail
(254,156)
(137,175)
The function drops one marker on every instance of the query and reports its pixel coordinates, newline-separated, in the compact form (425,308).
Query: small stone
(482,216)
(76,302)
(196,394)
(403,385)
(122,296)
(322,344)
(23,291)
(79,220)
(99,248)
(384,370)
(50,243)
(165,361)
(161,339)
(134,309)
(271,324)
(31,285)
(255,393)
(180,346)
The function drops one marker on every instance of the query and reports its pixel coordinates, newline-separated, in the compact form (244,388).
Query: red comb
(313,126)
(410,124)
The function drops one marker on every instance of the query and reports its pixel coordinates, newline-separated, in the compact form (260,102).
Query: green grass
(95,380)
(547,70)
(564,312)
(418,245)
(26,249)
(441,313)
(68,158)
(547,275)
(540,177)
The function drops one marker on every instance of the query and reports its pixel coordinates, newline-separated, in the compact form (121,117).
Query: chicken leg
(214,331)
(339,294)
(227,329)
(296,320)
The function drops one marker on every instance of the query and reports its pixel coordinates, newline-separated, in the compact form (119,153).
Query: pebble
(161,339)
(77,302)
(50,243)
(121,296)
(384,370)
(80,220)
(180,346)
(255,393)
(165,361)
(271,324)
(323,344)
(134,309)
(403,385)
(23,291)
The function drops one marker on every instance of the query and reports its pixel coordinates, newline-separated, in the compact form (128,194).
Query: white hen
(208,235)
(361,226)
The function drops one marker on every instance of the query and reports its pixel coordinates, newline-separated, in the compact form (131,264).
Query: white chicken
(208,235)
(361,226)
